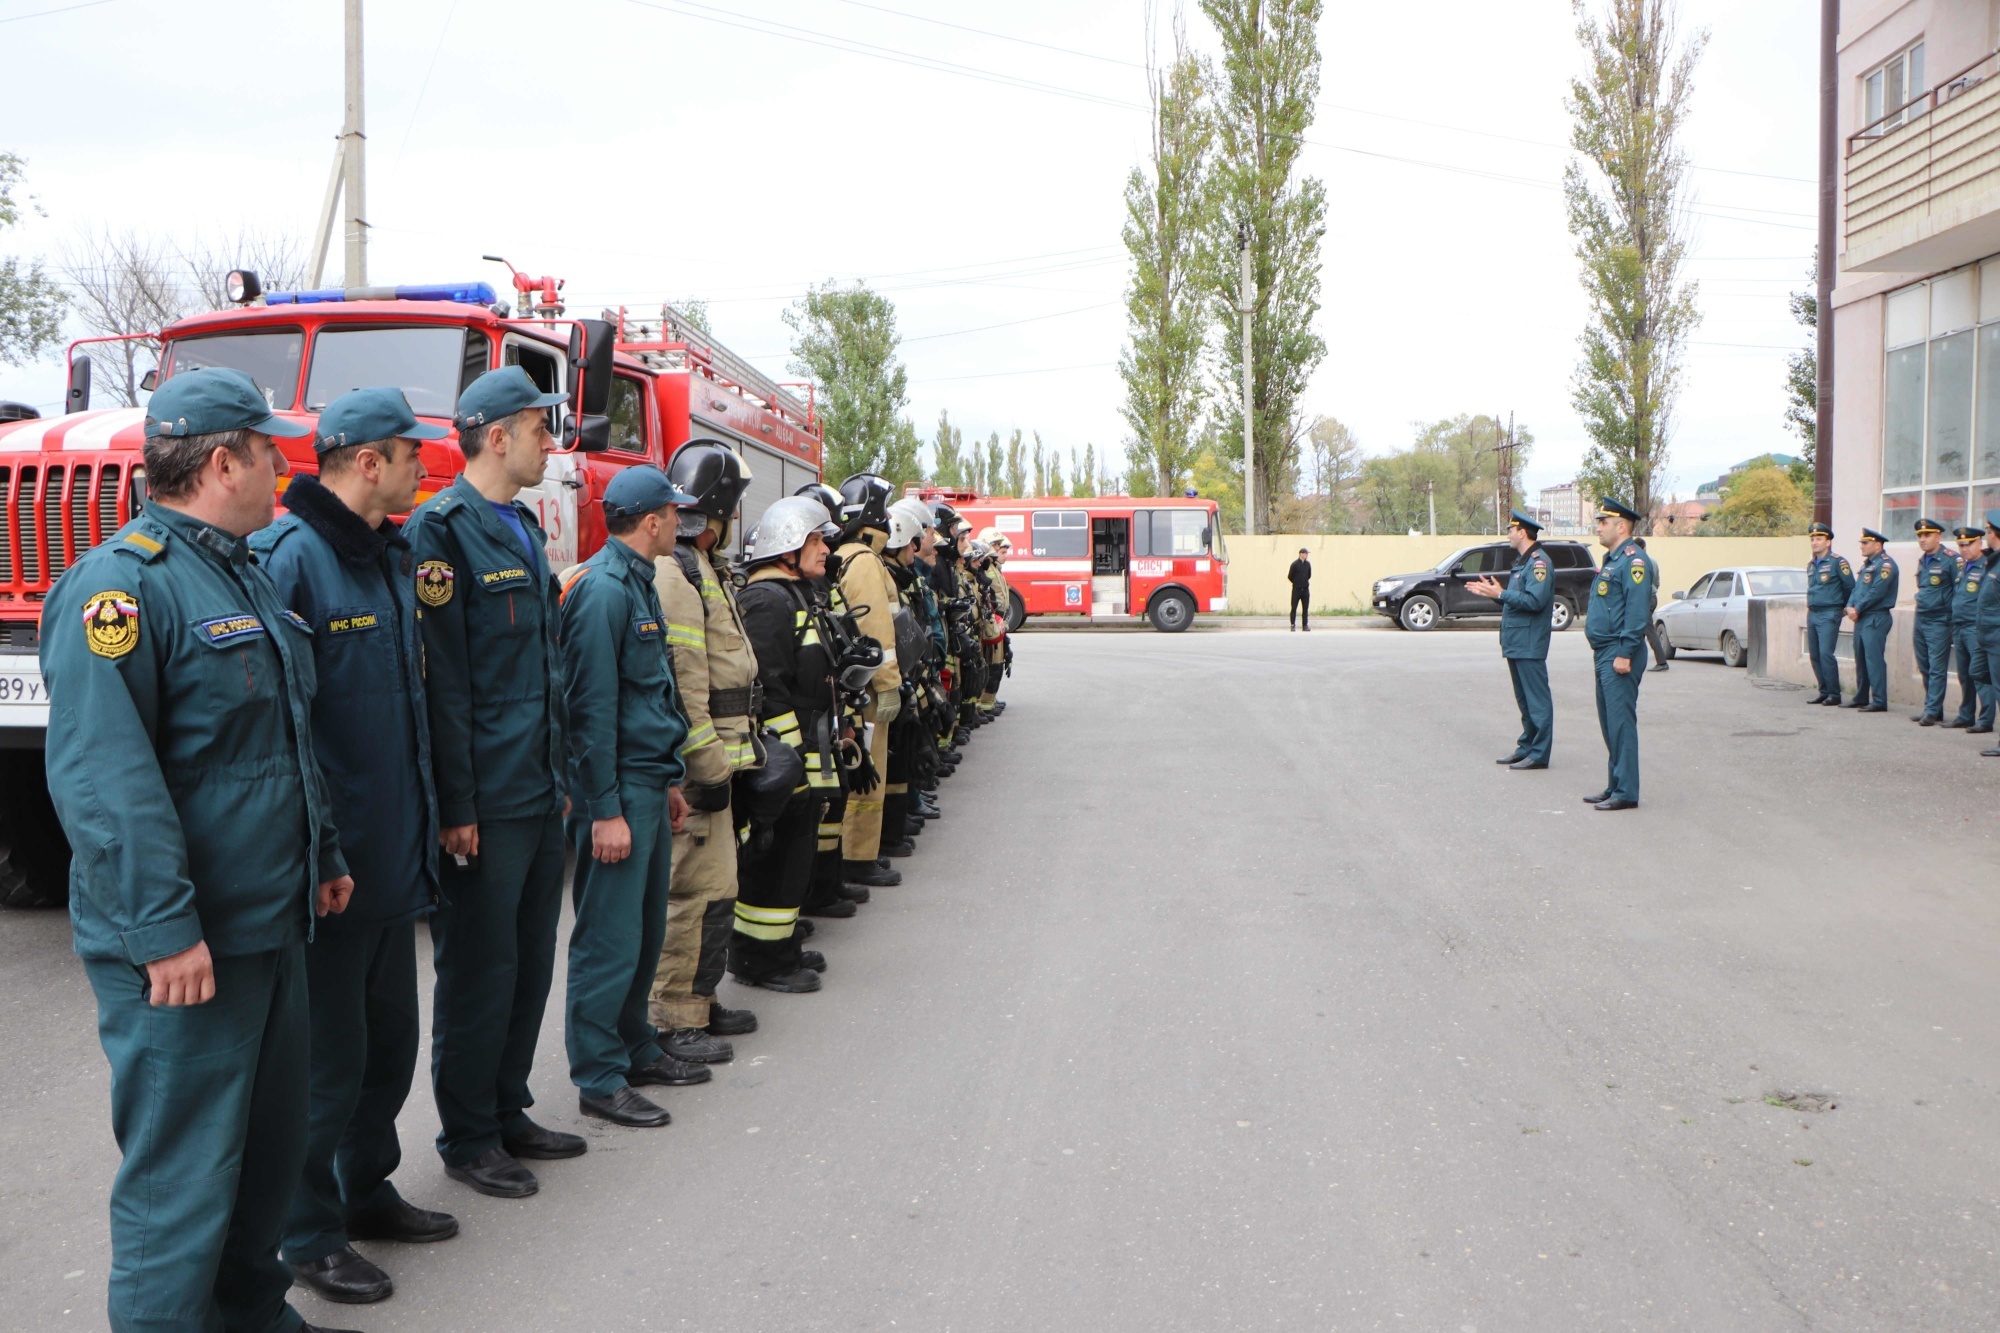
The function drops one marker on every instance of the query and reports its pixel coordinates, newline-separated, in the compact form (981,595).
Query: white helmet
(991,536)
(786,525)
(903,529)
(919,512)
(979,550)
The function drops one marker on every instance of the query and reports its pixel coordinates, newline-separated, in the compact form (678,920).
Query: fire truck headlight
(242,286)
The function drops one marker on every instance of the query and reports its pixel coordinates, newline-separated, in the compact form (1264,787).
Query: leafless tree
(121,284)
(279,260)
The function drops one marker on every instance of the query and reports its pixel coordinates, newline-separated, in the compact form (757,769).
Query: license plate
(22,687)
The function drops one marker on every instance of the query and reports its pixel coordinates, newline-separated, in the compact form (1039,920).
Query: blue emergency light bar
(465,293)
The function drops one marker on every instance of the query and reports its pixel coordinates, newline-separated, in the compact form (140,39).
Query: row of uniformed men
(1622,598)
(348,727)
(1957,621)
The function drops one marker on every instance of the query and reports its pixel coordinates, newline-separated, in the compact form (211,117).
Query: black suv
(1419,601)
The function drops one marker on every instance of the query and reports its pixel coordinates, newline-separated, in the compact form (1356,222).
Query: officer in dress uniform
(1621,602)
(1986,616)
(494,682)
(1527,612)
(1937,582)
(340,564)
(1975,684)
(625,733)
(1871,608)
(181,764)
(1829,583)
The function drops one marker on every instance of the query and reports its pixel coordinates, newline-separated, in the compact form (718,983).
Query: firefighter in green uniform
(625,732)
(1621,604)
(1872,608)
(493,677)
(1829,583)
(1527,611)
(1937,581)
(1975,685)
(180,760)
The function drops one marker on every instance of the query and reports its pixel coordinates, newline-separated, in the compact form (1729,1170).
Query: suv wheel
(1418,612)
(1563,615)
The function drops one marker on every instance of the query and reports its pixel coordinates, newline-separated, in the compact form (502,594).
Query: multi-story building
(1916,298)
(1561,508)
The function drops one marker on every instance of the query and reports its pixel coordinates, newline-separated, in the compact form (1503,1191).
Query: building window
(1941,400)
(1886,90)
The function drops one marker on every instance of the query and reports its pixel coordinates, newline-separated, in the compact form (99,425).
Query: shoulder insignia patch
(298,621)
(1639,573)
(1603,587)
(434,582)
(111,623)
(144,543)
(1844,568)
(227,629)
(1541,573)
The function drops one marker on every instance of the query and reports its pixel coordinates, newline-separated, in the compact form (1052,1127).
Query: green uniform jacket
(180,747)
(1829,582)
(1965,594)
(1527,605)
(1621,600)
(1937,580)
(625,718)
(1876,589)
(492,670)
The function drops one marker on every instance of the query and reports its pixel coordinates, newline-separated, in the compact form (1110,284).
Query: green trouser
(208,1104)
(495,946)
(365,1033)
(621,920)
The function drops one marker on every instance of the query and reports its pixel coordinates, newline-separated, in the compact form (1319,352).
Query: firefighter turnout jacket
(713,665)
(870,593)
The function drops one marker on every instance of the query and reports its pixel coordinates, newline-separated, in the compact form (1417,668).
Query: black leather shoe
(839,909)
(495,1172)
(867,872)
(1981,729)
(1817,699)
(1855,702)
(1604,795)
(856,893)
(529,1140)
(907,847)
(1993,753)
(735,1022)
(1955,722)
(801,982)
(1876,708)
(1927,721)
(1657,666)
(627,1107)
(402,1222)
(1525,764)
(345,1277)
(1831,701)
(1620,804)
(667,1072)
(812,958)
(1513,758)
(697,1047)
(322,1328)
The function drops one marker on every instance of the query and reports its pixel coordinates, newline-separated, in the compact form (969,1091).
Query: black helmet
(767,789)
(710,472)
(864,503)
(826,495)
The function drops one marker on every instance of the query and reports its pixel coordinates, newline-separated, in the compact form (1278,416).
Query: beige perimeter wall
(1345,568)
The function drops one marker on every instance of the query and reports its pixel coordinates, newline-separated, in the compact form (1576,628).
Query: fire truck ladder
(681,345)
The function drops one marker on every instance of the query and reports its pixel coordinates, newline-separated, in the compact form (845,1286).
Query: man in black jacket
(1301,574)
(344,568)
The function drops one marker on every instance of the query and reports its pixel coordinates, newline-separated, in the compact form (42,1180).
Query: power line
(1002,374)
(1032,319)
(65,9)
(425,86)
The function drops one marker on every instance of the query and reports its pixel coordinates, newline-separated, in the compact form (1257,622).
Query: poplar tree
(948,453)
(1017,466)
(846,345)
(1269,81)
(1626,205)
(994,474)
(31,304)
(1166,301)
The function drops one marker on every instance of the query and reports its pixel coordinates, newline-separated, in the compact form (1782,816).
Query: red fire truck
(639,390)
(1108,557)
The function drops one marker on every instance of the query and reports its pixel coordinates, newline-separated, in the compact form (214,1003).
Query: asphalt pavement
(1240,989)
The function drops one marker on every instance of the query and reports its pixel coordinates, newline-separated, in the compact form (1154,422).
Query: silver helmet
(786,525)
(919,512)
(978,550)
(903,529)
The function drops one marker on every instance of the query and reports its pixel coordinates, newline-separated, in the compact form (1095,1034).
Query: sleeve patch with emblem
(434,582)
(111,623)
(298,621)
(1638,573)
(1541,573)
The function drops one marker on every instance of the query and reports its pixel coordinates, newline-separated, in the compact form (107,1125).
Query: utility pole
(1431,490)
(348,182)
(1829,256)
(1503,480)
(1247,307)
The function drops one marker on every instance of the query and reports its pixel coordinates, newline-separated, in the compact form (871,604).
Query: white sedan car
(1713,615)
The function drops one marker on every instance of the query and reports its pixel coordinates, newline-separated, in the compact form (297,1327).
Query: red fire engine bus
(639,390)
(1108,557)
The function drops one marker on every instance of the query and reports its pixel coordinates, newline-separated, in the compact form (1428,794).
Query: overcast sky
(647,149)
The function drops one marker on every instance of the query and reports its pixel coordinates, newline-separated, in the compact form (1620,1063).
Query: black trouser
(772,880)
(1301,606)
(1658,649)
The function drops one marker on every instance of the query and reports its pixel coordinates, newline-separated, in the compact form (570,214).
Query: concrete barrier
(1777,651)
(1345,567)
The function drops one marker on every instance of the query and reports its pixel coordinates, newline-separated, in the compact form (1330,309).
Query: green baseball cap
(211,399)
(499,394)
(363,416)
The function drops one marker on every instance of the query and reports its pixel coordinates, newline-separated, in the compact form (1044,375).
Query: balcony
(1923,183)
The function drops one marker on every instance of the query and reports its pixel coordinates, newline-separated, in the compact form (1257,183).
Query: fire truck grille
(29,536)
(49,519)
(6,529)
